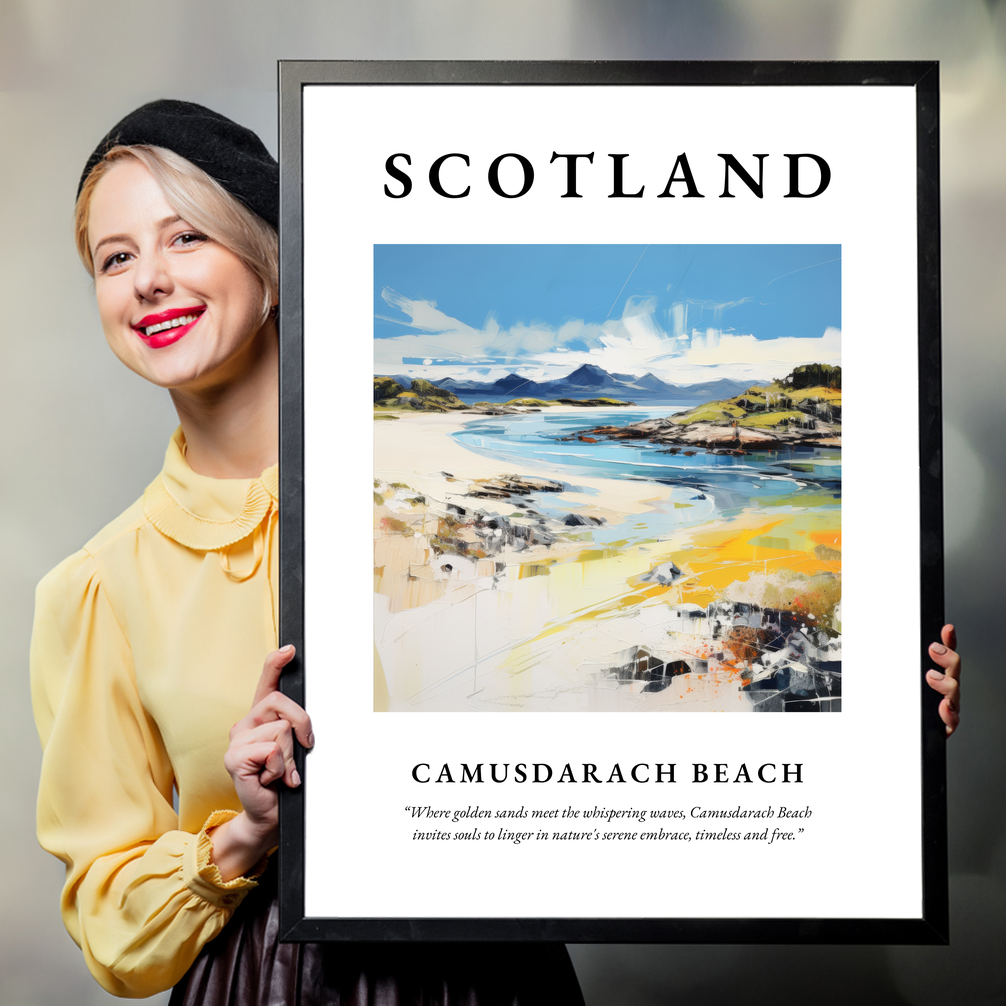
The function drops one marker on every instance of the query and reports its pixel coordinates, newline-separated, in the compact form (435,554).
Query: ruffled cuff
(203,878)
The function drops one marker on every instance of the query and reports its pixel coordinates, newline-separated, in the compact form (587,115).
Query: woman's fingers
(271,671)
(261,749)
(277,706)
(278,735)
(947,680)
(948,658)
(259,760)
(950,716)
(274,766)
(949,636)
(950,690)
(270,703)
(947,686)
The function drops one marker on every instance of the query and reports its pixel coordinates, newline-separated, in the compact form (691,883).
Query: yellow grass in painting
(758,419)
(607,584)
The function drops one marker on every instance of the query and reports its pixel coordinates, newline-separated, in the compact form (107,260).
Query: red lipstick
(166,327)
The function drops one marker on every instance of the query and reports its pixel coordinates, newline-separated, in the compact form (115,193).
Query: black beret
(230,154)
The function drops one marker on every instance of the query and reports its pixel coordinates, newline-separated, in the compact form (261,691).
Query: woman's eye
(190,238)
(114,261)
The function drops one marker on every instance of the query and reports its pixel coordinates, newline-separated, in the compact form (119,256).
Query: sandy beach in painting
(502,586)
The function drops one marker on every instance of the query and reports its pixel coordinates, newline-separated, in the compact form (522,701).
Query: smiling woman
(158,279)
(154,665)
(203,202)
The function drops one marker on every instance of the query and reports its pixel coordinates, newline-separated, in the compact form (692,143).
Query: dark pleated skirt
(246,965)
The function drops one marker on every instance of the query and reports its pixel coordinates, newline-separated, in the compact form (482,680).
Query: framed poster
(648,476)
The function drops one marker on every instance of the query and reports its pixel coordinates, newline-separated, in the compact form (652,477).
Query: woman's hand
(948,681)
(260,753)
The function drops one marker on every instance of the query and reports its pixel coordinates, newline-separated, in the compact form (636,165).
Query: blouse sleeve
(141,898)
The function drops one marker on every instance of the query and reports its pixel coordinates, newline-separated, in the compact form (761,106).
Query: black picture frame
(931,927)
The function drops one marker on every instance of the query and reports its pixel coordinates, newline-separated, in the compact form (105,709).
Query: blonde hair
(199,200)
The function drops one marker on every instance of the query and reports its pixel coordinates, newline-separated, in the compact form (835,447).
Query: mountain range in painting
(588,379)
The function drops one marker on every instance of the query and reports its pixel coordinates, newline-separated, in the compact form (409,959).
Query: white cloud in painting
(705,355)
(444,338)
(634,344)
(440,336)
(728,348)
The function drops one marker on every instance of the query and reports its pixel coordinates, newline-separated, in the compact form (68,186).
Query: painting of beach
(607,478)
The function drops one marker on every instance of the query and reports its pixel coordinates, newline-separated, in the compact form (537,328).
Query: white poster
(636,495)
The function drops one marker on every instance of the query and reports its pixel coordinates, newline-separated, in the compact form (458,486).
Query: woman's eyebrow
(160,225)
(109,240)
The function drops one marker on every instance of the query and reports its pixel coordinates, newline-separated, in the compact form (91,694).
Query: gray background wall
(82,436)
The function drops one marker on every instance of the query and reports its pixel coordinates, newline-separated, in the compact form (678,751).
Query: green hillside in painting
(805,408)
(808,396)
(421,396)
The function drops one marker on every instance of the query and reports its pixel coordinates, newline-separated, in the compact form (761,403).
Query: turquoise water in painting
(729,482)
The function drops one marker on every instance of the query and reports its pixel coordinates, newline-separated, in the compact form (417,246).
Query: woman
(149,642)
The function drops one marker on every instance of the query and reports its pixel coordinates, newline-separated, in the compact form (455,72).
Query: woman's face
(177,308)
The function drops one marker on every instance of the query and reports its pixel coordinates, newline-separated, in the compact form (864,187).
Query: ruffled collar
(203,513)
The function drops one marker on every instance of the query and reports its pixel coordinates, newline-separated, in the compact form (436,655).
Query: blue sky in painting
(683,312)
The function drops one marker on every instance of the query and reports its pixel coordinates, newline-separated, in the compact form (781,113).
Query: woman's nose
(152,277)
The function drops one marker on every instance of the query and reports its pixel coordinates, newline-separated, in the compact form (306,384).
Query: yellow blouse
(147,647)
